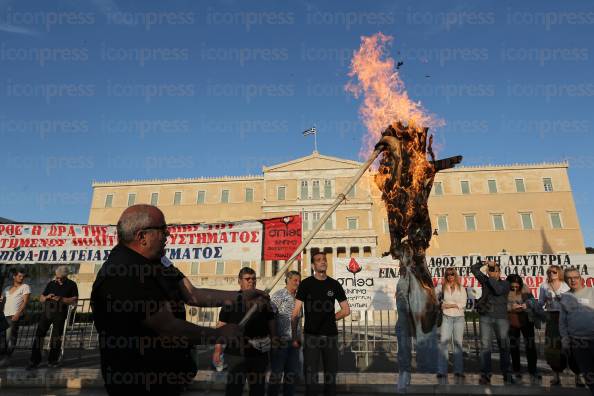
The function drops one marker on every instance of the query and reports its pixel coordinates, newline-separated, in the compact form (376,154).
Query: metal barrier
(365,334)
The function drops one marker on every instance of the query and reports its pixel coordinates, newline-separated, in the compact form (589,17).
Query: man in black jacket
(143,341)
(492,309)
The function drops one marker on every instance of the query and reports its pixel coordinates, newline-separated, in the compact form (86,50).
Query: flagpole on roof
(312,131)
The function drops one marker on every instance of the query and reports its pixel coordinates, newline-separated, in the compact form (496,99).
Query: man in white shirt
(14,298)
(575,324)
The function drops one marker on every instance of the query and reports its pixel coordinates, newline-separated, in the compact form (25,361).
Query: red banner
(282,236)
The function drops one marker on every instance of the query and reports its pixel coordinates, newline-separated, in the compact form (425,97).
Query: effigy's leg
(404,331)
(425,341)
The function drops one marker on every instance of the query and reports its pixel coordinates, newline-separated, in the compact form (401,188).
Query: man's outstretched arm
(216,298)
(166,325)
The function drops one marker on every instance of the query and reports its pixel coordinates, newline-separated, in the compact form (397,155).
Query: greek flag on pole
(310,131)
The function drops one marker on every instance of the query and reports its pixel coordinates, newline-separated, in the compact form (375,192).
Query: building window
(201,197)
(492,186)
(224,196)
(442,223)
(177,198)
(131,199)
(555,220)
(470,222)
(352,223)
(352,192)
(154,199)
(438,188)
(465,187)
(329,225)
(520,186)
(304,190)
(195,270)
(281,192)
(108,200)
(315,219)
(220,268)
(275,267)
(249,195)
(526,220)
(315,189)
(498,222)
(548,184)
(262,272)
(327,189)
(305,221)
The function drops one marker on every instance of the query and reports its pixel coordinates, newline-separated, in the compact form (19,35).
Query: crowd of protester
(508,309)
(59,293)
(273,351)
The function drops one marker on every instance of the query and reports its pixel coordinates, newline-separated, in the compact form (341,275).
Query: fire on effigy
(404,176)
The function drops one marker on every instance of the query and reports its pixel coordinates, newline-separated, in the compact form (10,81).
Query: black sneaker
(509,379)
(484,380)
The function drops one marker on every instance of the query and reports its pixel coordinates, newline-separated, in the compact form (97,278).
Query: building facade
(485,210)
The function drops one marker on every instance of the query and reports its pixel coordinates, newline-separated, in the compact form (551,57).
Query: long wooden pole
(341,197)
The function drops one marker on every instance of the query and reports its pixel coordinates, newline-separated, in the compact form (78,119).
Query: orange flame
(385,98)
(405,174)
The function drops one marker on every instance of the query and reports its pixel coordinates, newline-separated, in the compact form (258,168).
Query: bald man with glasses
(143,340)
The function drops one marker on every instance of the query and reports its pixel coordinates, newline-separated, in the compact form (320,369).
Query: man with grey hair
(143,339)
(57,296)
(576,324)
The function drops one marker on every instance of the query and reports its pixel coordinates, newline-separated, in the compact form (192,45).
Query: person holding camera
(492,310)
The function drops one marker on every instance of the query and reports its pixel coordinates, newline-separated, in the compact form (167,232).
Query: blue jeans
(501,327)
(425,345)
(403,337)
(451,327)
(283,360)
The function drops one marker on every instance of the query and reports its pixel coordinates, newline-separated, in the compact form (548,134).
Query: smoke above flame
(385,99)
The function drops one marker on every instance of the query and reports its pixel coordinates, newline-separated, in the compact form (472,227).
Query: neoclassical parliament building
(484,210)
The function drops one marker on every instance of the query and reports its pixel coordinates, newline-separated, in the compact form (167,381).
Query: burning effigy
(405,177)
